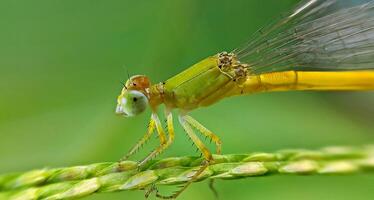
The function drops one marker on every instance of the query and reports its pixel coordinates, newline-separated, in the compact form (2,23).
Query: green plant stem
(79,181)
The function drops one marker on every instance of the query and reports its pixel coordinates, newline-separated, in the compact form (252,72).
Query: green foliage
(79,181)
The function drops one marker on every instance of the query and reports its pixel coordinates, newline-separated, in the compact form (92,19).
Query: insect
(319,45)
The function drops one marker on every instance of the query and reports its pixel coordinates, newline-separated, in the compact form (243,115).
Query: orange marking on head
(138,82)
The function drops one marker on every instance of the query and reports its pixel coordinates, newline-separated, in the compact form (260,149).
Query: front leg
(161,133)
(143,140)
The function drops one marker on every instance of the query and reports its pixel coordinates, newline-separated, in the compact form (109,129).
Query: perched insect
(319,45)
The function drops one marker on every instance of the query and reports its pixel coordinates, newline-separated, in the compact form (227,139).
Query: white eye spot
(123,101)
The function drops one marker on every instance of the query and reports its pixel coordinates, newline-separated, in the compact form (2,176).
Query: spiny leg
(170,128)
(213,138)
(170,125)
(144,139)
(162,136)
(150,190)
(203,149)
(199,144)
(205,132)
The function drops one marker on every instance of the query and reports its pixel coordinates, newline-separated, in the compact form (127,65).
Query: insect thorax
(232,67)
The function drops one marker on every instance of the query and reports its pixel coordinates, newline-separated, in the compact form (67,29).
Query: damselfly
(319,45)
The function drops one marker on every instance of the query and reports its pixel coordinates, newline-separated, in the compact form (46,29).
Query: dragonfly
(320,45)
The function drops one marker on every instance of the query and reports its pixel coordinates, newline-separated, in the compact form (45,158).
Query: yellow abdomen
(307,80)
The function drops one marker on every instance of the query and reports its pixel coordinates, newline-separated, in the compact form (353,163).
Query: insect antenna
(128,74)
(123,84)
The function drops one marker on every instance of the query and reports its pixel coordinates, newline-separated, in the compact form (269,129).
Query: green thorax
(195,86)
(202,84)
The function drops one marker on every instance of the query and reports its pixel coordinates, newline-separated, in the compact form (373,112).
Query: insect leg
(205,132)
(163,142)
(213,138)
(203,149)
(199,144)
(170,127)
(141,142)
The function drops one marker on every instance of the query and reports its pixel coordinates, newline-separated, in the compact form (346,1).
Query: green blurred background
(61,63)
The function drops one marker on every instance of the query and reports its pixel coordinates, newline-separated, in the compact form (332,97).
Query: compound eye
(132,103)
(138,82)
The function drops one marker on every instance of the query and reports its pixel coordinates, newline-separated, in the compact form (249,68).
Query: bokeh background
(61,63)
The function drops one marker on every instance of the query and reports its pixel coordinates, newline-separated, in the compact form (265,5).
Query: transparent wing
(316,35)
